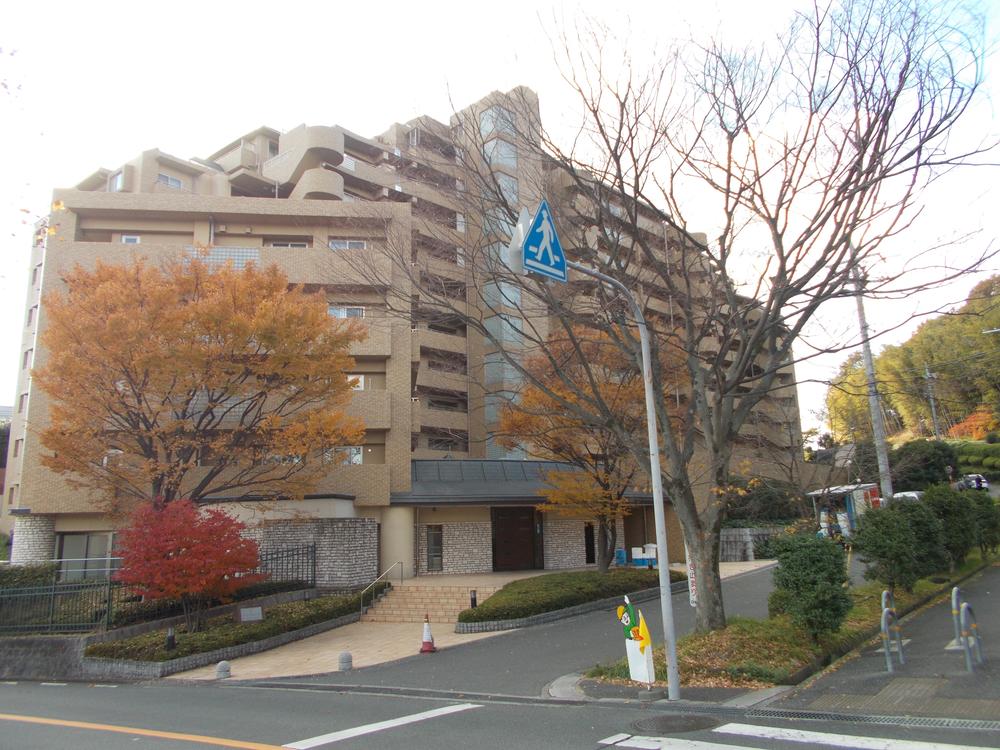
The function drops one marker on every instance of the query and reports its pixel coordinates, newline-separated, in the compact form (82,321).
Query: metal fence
(83,606)
(289,564)
(60,608)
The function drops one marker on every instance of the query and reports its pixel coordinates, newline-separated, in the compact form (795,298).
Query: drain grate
(674,723)
(907,721)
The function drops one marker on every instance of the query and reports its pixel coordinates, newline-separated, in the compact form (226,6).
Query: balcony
(319,184)
(445,419)
(448,342)
(378,343)
(442,380)
(372,407)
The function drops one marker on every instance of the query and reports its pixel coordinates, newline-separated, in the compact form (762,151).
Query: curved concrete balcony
(374,408)
(319,184)
(443,418)
(436,340)
(304,148)
(448,381)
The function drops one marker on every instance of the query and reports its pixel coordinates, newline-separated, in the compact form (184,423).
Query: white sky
(93,84)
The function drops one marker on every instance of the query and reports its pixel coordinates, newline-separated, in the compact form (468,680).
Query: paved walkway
(377,643)
(933,681)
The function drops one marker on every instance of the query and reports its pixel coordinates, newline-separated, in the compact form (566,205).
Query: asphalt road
(524,662)
(166,716)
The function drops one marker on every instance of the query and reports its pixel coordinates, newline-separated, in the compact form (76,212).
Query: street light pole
(659,515)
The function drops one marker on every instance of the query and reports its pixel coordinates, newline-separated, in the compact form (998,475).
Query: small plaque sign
(251,614)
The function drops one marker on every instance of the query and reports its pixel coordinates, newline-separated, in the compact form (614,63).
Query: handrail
(383,575)
(970,637)
(956,606)
(888,601)
(890,630)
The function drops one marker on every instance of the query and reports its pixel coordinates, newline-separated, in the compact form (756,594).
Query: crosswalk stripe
(837,740)
(640,742)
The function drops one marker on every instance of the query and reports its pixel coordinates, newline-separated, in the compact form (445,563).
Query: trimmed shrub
(987,522)
(992,438)
(812,571)
(554,591)
(777,602)
(26,576)
(958,520)
(930,551)
(921,463)
(888,546)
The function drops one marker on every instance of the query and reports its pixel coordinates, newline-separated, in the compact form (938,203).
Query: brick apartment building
(429,486)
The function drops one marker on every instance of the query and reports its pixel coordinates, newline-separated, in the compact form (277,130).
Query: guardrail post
(956,606)
(891,629)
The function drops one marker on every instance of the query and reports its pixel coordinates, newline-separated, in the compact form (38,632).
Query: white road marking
(8,682)
(378,726)
(613,739)
(53,684)
(103,686)
(639,742)
(838,740)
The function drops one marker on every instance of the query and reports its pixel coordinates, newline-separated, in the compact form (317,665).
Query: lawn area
(761,653)
(221,632)
(554,591)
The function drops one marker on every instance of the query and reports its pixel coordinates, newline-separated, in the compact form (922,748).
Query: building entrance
(517,539)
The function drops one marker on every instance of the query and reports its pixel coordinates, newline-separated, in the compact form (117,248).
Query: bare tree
(803,158)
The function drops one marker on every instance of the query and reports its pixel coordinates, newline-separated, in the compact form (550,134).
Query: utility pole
(878,426)
(930,394)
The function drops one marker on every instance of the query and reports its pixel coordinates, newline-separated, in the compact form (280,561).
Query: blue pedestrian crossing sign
(541,250)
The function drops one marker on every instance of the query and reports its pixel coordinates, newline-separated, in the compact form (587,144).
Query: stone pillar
(398,539)
(34,540)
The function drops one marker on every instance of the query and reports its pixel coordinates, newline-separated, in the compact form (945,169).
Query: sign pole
(659,515)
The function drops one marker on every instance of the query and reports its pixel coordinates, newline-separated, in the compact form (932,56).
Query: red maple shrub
(177,551)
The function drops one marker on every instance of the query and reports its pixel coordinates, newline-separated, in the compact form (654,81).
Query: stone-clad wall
(35,538)
(346,548)
(467,548)
(565,545)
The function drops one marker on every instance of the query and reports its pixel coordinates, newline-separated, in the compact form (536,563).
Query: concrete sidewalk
(933,681)
(375,643)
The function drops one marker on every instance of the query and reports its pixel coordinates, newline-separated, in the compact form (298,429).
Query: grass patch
(554,591)
(760,653)
(221,632)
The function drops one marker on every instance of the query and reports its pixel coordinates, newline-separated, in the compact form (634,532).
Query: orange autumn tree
(605,470)
(183,381)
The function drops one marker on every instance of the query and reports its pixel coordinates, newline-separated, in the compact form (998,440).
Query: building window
(345,244)
(11,493)
(295,245)
(442,444)
(18,447)
(131,239)
(590,548)
(32,311)
(496,120)
(349,163)
(26,359)
(345,311)
(84,556)
(348,455)
(22,403)
(435,548)
(459,222)
(414,137)
(505,329)
(360,384)
(501,154)
(36,274)
(272,149)
(116,182)
(508,188)
(498,294)
(169,181)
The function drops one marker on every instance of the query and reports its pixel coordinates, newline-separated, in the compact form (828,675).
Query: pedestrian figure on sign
(544,247)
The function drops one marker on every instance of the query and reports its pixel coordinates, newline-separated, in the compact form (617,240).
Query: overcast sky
(93,84)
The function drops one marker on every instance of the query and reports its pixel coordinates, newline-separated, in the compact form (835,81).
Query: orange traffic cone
(427,647)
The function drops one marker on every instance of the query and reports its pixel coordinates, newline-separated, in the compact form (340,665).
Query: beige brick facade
(329,208)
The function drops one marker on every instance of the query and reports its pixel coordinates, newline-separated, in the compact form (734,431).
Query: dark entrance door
(514,538)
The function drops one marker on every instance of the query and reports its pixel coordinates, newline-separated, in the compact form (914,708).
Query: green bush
(26,576)
(221,632)
(930,551)
(992,438)
(920,463)
(887,544)
(778,602)
(813,572)
(548,593)
(958,520)
(987,522)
